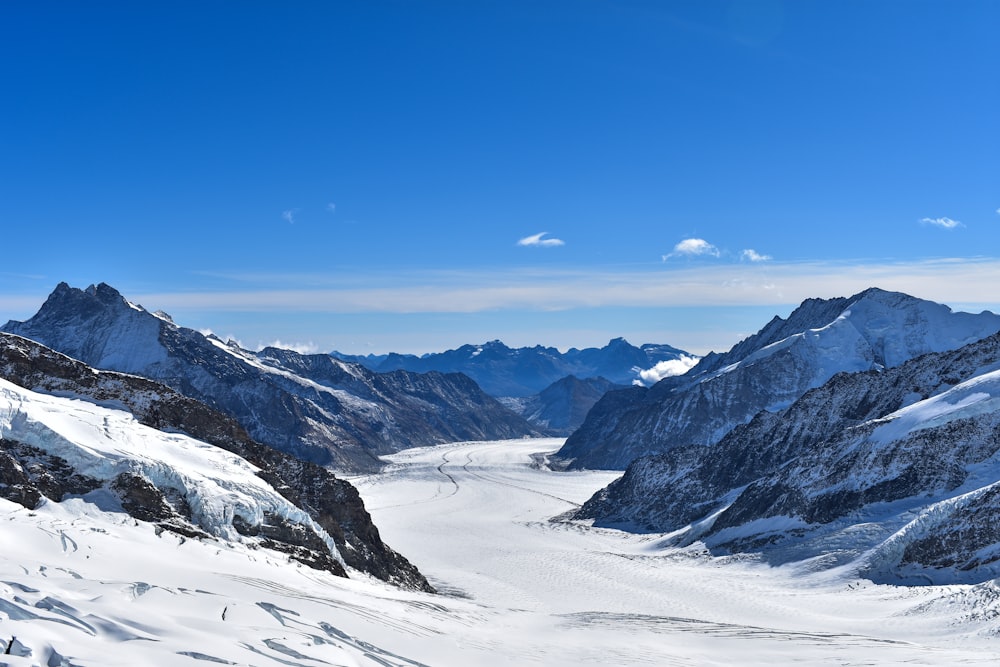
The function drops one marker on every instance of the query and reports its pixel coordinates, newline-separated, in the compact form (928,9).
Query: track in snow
(475,517)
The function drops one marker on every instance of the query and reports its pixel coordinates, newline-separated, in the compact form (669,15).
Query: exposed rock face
(901,466)
(768,371)
(335,505)
(27,473)
(527,371)
(312,406)
(562,406)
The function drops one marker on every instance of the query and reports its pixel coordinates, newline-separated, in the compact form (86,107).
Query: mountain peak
(96,324)
(105,293)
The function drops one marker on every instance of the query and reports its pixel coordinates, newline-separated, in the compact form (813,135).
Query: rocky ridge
(562,407)
(314,407)
(768,371)
(897,469)
(27,474)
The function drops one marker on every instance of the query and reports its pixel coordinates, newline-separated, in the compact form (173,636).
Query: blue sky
(411,176)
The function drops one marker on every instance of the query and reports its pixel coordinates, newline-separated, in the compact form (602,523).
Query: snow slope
(101,443)
(903,461)
(85,587)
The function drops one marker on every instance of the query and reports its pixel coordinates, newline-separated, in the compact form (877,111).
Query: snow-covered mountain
(147,435)
(898,466)
(315,407)
(561,407)
(526,371)
(768,371)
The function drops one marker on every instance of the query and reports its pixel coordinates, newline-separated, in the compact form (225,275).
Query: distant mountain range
(861,430)
(527,371)
(314,407)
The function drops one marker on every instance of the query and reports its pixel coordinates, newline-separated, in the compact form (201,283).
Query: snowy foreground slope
(221,493)
(87,587)
(28,473)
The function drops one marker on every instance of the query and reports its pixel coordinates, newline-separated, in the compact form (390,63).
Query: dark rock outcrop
(562,406)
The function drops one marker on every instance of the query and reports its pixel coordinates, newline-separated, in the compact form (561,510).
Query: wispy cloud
(944,223)
(301,348)
(950,281)
(289,215)
(752,255)
(331,207)
(537,240)
(693,248)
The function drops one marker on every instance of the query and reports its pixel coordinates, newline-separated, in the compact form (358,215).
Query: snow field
(473,516)
(87,587)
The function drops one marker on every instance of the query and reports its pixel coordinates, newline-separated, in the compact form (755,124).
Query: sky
(411,176)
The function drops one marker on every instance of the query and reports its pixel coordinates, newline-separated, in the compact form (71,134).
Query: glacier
(103,443)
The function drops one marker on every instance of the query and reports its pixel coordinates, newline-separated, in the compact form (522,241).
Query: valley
(145,527)
(86,587)
(474,518)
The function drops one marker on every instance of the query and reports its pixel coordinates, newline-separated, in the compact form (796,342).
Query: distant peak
(878,293)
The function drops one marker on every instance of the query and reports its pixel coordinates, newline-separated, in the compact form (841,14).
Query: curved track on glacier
(475,517)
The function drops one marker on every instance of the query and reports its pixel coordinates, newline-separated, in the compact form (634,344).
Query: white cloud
(944,223)
(331,207)
(537,240)
(693,248)
(289,215)
(664,369)
(753,256)
(998,211)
